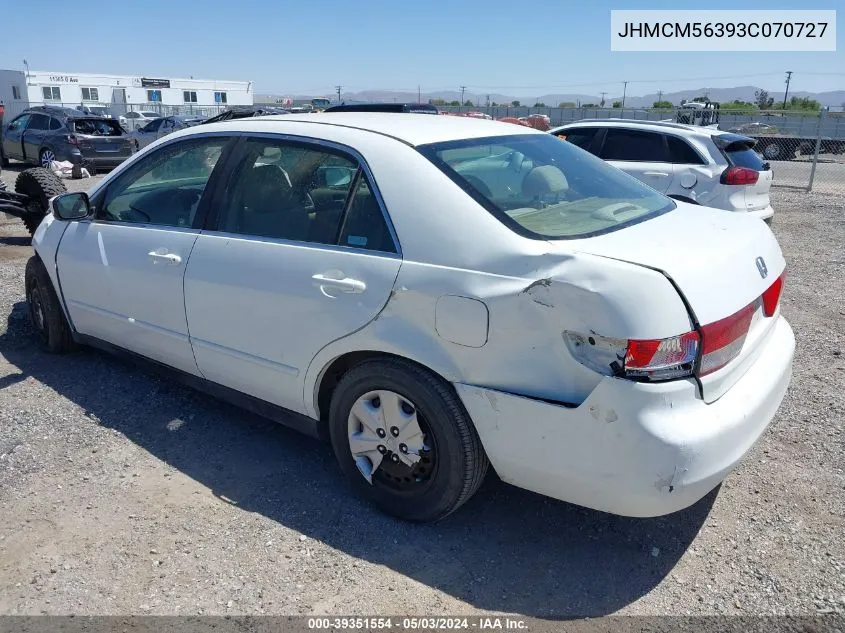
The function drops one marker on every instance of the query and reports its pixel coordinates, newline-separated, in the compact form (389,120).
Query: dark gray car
(43,134)
(157,128)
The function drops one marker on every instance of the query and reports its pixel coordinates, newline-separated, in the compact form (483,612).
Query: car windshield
(97,127)
(543,187)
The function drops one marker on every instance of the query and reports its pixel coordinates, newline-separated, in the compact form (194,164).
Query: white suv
(701,165)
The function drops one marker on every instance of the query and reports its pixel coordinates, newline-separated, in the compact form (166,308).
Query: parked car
(245,112)
(540,122)
(432,295)
(135,119)
(158,128)
(96,110)
(43,134)
(701,165)
(414,108)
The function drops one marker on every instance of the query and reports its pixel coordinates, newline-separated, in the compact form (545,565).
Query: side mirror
(71,206)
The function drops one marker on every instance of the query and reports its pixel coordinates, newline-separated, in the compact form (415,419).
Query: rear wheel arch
(335,369)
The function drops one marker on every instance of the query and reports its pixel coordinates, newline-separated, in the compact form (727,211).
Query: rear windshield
(97,127)
(541,186)
(746,157)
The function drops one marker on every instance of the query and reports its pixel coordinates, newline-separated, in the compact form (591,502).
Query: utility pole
(659,96)
(624,92)
(419,98)
(338,89)
(463,88)
(786,92)
(601,103)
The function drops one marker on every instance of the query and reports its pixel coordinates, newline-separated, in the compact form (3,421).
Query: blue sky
(520,48)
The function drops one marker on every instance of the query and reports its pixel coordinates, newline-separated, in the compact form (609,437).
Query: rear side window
(682,153)
(39,122)
(633,145)
(55,124)
(580,136)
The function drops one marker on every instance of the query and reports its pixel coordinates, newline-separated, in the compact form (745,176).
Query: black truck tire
(40,185)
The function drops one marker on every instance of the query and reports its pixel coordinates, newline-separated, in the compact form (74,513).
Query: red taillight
(739,176)
(72,139)
(661,359)
(772,296)
(722,340)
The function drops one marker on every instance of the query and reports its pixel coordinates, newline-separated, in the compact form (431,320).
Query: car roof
(653,126)
(411,129)
(70,113)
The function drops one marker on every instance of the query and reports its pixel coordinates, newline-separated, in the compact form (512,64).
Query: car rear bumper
(763,214)
(633,449)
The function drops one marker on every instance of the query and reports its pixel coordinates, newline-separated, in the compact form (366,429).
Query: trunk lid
(739,151)
(719,261)
(101,137)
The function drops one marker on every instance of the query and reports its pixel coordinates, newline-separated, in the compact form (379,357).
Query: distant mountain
(835,98)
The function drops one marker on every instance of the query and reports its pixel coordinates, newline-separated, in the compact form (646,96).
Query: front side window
(219,97)
(154,96)
(633,145)
(190,96)
(543,188)
(289,191)
(90,94)
(19,123)
(152,126)
(165,187)
(51,93)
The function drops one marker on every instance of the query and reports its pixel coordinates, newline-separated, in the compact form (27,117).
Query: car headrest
(264,188)
(543,181)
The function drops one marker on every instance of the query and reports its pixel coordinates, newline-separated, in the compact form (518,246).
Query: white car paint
(698,183)
(134,119)
(468,298)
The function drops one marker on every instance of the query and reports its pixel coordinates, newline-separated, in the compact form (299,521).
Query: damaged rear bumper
(633,449)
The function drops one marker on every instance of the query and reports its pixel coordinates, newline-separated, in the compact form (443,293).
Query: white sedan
(134,119)
(433,295)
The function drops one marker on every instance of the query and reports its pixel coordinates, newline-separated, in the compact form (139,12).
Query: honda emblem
(761,267)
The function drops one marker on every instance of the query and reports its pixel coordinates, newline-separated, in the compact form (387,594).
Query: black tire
(40,185)
(461,463)
(45,313)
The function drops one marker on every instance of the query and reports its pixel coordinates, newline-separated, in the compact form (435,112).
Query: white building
(120,93)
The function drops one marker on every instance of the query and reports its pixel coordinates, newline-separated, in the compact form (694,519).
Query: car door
(301,254)
(641,153)
(693,178)
(148,133)
(33,136)
(121,273)
(13,137)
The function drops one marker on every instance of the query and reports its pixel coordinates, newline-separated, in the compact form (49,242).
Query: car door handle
(345,284)
(656,173)
(167,258)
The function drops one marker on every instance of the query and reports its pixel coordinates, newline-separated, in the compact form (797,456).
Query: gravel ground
(123,493)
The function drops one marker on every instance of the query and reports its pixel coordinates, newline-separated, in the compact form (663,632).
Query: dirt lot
(122,493)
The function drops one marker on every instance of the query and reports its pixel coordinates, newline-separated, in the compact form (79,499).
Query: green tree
(762,99)
(539,104)
(589,105)
(662,105)
(566,104)
(617,104)
(736,104)
(455,103)
(803,103)
(440,102)
(515,103)
(468,103)
(494,104)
